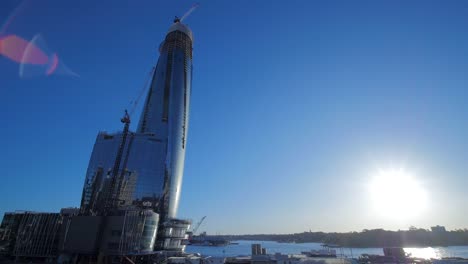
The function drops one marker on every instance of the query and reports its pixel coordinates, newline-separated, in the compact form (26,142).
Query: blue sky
(296,105)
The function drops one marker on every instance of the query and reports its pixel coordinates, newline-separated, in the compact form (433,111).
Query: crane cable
(134,103)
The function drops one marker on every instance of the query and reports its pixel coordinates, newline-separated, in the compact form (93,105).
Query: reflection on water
(425,253)
(243,248)
(438,252)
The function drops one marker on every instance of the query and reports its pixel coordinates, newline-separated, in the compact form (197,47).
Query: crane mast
(112,193)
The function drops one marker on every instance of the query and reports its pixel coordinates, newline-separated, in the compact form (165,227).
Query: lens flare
(14,47)
(13,15)
(53,65)
(33,57)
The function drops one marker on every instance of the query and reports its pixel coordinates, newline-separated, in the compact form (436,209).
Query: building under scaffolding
(126,232)
(38,235)
(9,231)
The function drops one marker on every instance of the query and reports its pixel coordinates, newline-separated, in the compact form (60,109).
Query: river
(244,248)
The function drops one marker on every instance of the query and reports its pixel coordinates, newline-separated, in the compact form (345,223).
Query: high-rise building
(166,110)
(144,169)
(133,182)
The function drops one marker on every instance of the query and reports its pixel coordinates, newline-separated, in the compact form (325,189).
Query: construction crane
(195,228)
(194,6)
(111,193)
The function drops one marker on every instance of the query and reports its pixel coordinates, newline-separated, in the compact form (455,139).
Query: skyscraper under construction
(143,170)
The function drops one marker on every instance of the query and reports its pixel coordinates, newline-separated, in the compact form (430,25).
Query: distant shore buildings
(438,229)
(133,182)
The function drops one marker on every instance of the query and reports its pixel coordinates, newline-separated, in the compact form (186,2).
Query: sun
(396,194)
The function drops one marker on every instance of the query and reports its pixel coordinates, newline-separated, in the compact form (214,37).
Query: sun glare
(396,194)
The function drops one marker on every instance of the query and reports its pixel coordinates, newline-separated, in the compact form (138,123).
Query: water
(244,248)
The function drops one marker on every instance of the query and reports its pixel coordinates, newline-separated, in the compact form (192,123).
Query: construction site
(131,192)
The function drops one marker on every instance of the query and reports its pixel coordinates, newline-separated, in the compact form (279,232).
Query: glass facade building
(144,169)
(140,179)
(166,110)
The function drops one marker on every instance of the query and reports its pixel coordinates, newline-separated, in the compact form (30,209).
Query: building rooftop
(178,26)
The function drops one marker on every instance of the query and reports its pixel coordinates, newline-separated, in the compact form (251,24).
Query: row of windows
(178,39)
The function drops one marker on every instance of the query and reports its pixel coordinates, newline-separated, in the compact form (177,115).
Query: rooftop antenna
(194,6)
